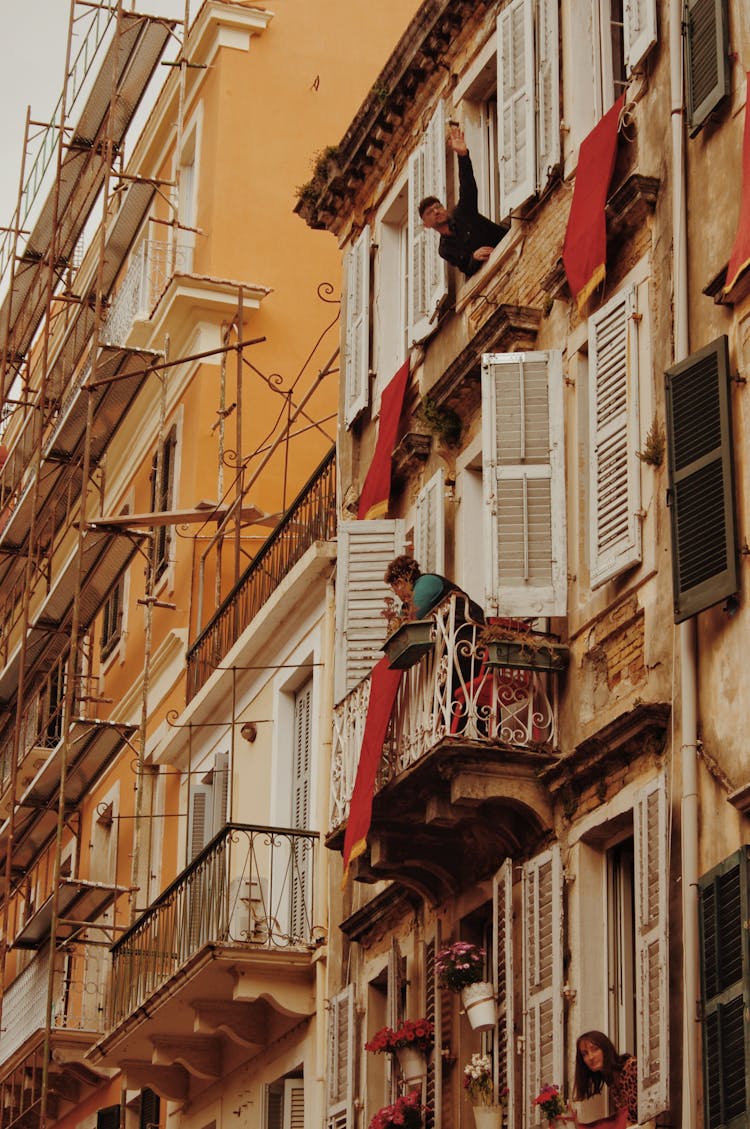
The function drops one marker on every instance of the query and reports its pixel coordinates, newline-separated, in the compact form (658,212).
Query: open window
(163,480)
(284,1105)
(340,1074)
(391,286)
(428,273)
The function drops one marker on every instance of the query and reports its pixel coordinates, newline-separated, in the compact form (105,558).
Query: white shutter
(652,951)
(543,978)
(524,483)
(639,31)
(515,104)
(301,857)
(201,808)
(220,790)
(503,982)
(365,549)
(614,475)
(357,337)
(548,90)
(429,524)
(340,1074)
(428,273)
(294,1103)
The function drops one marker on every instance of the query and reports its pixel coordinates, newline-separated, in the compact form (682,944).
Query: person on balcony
(420,592)
(467,238)
(597,1062)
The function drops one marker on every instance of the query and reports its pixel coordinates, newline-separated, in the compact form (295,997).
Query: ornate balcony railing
(451,693)
(311,517)
(251,886)
(151,267)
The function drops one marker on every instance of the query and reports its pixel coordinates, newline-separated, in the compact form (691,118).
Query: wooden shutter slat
(516,98)
(707,57)
(357,337)
(542,978)
(548,90)
(639,31)
(429,524)
(503,981)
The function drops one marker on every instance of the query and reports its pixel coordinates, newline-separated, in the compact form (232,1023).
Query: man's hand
(482,254)
(457,141)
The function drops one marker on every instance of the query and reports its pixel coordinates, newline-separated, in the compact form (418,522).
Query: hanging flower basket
(459,965)
(415,1034)
(488,1116)
(413,1063)
(406,1112)
(488,1109)
(405,647)
(480,1005)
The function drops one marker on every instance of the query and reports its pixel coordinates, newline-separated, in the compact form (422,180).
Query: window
(428,273)
(542,976)
(524,484)
(386,1003)
(392,289)
(701,480)
(285,1104)
(357,335)
(476,96)
(709,74)
(620,861)
(113,614)
(162,500)
(429,525)
(341,1061)
(724,908)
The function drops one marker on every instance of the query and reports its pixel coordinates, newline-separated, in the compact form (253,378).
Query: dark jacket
(469,229)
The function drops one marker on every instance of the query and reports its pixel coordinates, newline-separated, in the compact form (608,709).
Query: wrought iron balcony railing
(151,267)
(451,693)
(311,517)
(251,886)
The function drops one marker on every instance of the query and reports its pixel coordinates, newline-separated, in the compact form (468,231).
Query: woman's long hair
(587,1082)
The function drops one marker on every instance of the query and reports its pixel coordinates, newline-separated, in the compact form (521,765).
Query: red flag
(585,246)
(739,260)
(373,501)
(384,684)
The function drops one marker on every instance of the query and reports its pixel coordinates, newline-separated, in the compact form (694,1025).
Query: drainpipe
(687,630)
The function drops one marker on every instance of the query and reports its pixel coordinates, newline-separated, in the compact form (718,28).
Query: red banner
(373,501)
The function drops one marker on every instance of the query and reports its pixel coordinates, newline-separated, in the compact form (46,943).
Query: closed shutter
(652,953)
(701,496)
(639,31)
(365,548)
(614,478)
(301,884)
(548,90)
(199,831)
(543,978)
(394,1011)
(108,1118)
(515,104)
(429,524)
(503,981)
(220,798)
(357,336)
(724,909)
(150,1109)
(707,57)
(524,483)
(294,1103)
(428,274)
(433,1084)
(340,1075)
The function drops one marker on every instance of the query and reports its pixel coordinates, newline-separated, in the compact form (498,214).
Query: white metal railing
(449,694)
(152,265)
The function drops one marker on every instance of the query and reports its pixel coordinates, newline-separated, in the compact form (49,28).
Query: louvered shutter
(652,952)
(524,483)
(365,548)
(201,807)
(639,31)
(301,883)
(357,336)
(433,1084)
(515,104)
(274,1106)
(150,1108)
(543,978)
(220,796)
(429,524)
(548,90)
(707,58)
(701,495)
(108,1117)
(503,980)
(294,1103)
(394,1011)
(724,909)
(428,273)
(340,1075)
(614,478)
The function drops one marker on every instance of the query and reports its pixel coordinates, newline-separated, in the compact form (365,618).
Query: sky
(34,37)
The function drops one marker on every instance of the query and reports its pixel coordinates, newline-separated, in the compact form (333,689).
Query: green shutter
(707,59)
(701,486)
(723,907)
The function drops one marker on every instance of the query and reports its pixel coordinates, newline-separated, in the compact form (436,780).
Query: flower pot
(409,642)
(480,1005)
(488,1116)
(413,1064)
(509,654)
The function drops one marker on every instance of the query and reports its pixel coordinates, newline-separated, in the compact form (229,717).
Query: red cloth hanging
(373,501)
(585,246)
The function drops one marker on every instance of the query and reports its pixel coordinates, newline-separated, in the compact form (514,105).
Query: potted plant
(405,1113)
(552,1104)
(460,968)
(488,1110)
(410,1042)
(521,648)
(408,638)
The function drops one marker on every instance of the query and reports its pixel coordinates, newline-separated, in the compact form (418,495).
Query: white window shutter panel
(651,830)
(341,1061)
(357,338)
(365,549)
(614,474)
(429,524)
(639,31)
(542,979)
(294,1103)
(548,90)
(220,789)
(516,97)
(524,483)
(418,240)
(503,982)
(435,183)
(201,810)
